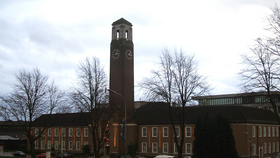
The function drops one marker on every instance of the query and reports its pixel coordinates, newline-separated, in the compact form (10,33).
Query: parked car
(43,155)
(19,154)
(66,155)
(54,154)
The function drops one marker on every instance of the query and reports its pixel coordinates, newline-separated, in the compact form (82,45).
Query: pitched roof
(67,119)
(157,113)
(122,21)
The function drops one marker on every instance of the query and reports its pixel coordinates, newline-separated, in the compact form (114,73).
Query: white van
(164,156)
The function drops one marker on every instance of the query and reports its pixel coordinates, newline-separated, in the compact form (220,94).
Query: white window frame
(36,144)
(190,148)
(85,132)
(165,133)
(42,144)
(78,132)
(273,131)
(277,132)
(63,145)
(56,145)
(269,147)
(36,132)
(273,147)
(264,148)
(144,147)
(268,132)
(85,143)
(49,132)
(253,149)
(165,146)
(154,147)
(63,132)
(189,133)
(277,146)
(154,132)
(264,131)
(260,131)
(56,132)
(70,145)
(78,145)
(43,132)
(177,131)
(144,131)
(49,144)
(70,132)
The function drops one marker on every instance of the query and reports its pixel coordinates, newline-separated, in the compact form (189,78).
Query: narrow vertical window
(273,147)
(70,132)
(78,145)
(126,34)
(253,149)
(264,131)
(154,131)
(268,131)
(42,144)
(165,131)
(144,131)
(56,132)
(49,144)
(273,131)
(175,149)
(56,145)
(188,132)
(144,147)
(269,147)
(277,146)
(260,131)
(253,131)
(70,145)
(36,144)
(78,132)
(177,131)
(63,132)
(63,145)
(118,34)
(188,148)
(154,147)
(36,132)
(49,132)
(86,132)
(264,148)
(165,148)
(277,132)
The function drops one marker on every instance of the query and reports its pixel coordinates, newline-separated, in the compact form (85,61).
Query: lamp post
(112,91)
(250,146)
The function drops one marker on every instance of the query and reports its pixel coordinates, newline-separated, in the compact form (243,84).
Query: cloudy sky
(55,35)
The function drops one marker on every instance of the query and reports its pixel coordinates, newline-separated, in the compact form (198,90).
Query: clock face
(128,54)
(115,54)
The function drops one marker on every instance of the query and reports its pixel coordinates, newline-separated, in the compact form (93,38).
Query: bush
(86,149)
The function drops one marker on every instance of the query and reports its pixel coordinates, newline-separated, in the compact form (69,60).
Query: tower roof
(122,21)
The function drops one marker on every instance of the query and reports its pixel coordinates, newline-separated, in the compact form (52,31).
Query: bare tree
(261,71)
(89,96)
(31,97)
(175,82)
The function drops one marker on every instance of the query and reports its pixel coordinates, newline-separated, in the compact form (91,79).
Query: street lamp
(112,91)
(250,147)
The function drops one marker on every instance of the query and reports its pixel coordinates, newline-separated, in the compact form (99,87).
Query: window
(253,131)
(36,144)
(43,132)
(154,131)
(154,147)
(273,131)
(86,132)
(269,147)
(49,132)
(36,132)
(42,144)
(144,132)
(264,148)
(70,145)
(175,149)
(277,132)
(277,146)
(49,144)
(144,147)
(63,132)
(165,131)
(63,145)
(260,131)
(188,148)
(56,132)
(78,145)
(264,131)
(85,142)
(253,149)
(165,148)
(177,130)
(188,132)
(56,145)
(268,131)
(78,132)
(273,147)
(70,132)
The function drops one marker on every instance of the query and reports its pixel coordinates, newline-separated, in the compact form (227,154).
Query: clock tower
(121,81)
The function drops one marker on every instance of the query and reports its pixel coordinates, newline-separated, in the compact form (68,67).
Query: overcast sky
(55,35)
